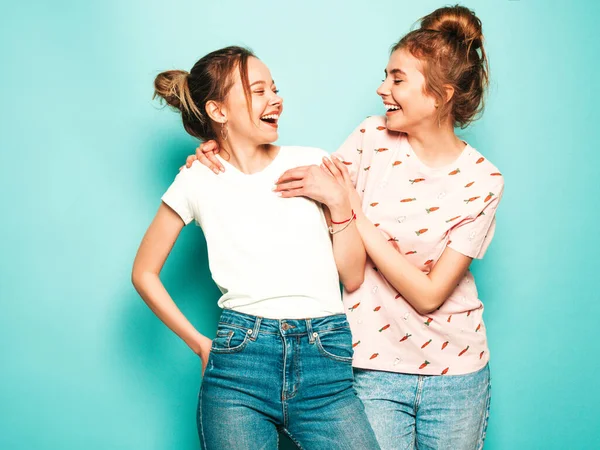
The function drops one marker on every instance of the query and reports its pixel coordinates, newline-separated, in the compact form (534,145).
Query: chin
(394,124)
(268,140)
(272,138)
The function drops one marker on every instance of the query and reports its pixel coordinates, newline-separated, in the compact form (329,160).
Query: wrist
(197,344)
(338,227)
(340,208)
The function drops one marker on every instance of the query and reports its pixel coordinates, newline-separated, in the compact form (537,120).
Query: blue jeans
(266,376)
(426,412)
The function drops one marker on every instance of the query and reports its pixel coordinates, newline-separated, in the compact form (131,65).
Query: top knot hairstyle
(211,78)
(449,43)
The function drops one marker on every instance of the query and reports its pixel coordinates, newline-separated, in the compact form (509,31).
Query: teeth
(391,107)
(271,116)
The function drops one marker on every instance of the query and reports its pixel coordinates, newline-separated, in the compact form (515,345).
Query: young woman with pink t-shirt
(426,209)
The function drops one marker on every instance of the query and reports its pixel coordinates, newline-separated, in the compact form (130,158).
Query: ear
(216,112)
(449,92)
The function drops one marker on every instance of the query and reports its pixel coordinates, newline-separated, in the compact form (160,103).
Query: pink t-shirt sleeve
(176,197)
(473,235)
(351,151)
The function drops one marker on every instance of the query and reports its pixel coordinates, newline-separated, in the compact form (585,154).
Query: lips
(271,118)
(391,108)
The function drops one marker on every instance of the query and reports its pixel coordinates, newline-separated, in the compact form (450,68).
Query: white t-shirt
(270,256)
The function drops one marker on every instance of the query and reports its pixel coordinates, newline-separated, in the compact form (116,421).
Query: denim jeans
(266,376)
(426,412)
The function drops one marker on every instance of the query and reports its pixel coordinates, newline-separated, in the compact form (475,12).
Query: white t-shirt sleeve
(472,236)
(177,197)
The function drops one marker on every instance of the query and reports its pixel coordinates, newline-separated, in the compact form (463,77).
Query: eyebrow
(395,72)
(262,82)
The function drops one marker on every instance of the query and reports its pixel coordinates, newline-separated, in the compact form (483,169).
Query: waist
(287,327)
(285,307)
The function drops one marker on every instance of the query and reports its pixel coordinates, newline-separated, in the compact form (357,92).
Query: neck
(247,157)
(436,145)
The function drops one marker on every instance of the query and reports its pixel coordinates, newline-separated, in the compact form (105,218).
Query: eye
(398,81)
(276,91)
(261,92)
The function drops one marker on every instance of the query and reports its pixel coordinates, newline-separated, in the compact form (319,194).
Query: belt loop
(254,334)
(309,330)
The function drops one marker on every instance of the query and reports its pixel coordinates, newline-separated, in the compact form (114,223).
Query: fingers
(342,167)
(206,154)
(292,193)
(189,160)
(208,146)
(335,171)
(290,185)
(212,157)
(325,169)
(199,151)
(293,174)
(206,162)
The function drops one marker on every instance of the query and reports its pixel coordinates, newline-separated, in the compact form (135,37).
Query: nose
(383,90)
(276,100)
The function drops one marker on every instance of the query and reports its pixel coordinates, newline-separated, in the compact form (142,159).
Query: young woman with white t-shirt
(281,360)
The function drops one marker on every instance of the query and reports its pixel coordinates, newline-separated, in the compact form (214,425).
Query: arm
(151,256)
(467,240)
(425,292)
(348,249)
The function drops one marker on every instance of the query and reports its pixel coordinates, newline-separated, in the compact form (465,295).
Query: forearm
(152,291)
(415,286)
(348,249)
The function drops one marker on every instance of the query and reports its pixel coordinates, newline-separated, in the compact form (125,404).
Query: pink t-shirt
(424,210)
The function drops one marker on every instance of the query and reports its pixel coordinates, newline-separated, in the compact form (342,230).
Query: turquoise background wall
(85,156)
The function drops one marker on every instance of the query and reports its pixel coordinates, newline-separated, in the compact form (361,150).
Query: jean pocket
(230,339)
(336,345)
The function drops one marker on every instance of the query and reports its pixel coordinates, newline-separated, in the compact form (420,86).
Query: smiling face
(403,94)
(257,124)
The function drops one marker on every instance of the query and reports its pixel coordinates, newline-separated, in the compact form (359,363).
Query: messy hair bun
(171,86)
(209,80)
(449,42)
(460,23)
